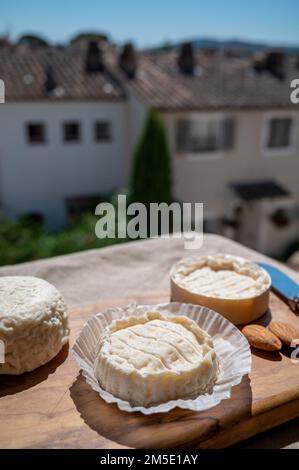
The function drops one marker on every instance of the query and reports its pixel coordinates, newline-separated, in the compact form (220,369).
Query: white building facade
(41,172)
(206,175)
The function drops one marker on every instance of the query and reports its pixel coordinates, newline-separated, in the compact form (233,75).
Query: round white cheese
(33,323)
(230,285)
(156,358)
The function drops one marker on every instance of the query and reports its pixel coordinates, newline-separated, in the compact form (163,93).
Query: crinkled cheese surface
(33,323)
(222,283)
(155,358)
(157,345)
(223,277)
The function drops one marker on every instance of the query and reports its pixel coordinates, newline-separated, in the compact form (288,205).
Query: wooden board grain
(53,407)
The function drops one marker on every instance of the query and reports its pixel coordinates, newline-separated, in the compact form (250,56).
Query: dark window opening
(36,133)
(80,204)
(279,133)
(103,131)
(204,136)
(72,132)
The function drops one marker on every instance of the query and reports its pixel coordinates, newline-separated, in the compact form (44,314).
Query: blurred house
(63,133)
(231,128)
(74,115)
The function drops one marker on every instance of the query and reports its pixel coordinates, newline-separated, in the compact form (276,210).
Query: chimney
(274,64)
(50,82)
(186,60)
(258,63)
(94,58)
(128,60)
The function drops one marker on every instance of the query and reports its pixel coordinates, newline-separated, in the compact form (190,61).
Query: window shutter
(229,130)
(183,129)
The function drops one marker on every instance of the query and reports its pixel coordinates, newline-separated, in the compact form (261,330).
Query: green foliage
(33,40)
(25,240)
(151,179)
(89,36)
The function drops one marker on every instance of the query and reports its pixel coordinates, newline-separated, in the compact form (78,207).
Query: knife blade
(284,286)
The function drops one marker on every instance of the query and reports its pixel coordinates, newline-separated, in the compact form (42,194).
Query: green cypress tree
(151,179)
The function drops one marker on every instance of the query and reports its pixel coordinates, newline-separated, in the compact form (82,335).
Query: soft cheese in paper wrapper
(231,347)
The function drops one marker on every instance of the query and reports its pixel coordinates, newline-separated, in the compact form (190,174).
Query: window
(72,132)
(279,133)
(204,135)
(103,131)
(36,133)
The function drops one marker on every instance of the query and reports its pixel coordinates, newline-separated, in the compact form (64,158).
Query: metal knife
(284,286)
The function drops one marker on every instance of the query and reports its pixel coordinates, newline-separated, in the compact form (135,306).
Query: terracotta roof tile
(219,82)
(24,74)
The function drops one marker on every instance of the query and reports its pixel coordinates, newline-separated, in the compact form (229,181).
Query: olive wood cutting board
(53,407)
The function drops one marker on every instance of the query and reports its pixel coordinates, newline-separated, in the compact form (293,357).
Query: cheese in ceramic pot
(230,285)
(33,323)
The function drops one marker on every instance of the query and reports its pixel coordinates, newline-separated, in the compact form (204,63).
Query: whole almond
(286,333)
(261,338)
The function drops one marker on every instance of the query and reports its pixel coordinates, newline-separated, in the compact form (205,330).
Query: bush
(151,179)
(22,240)
(33,40)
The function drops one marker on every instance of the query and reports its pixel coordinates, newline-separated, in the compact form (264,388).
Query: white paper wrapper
(231,347)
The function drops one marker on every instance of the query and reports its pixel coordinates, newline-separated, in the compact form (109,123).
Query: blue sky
(148,22)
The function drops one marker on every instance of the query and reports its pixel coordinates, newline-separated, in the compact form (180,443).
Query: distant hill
(246,47)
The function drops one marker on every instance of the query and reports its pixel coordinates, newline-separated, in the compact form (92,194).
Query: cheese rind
(33,323)
(230,285)
(156,358)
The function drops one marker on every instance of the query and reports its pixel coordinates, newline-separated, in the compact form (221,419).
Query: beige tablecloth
(135,268)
